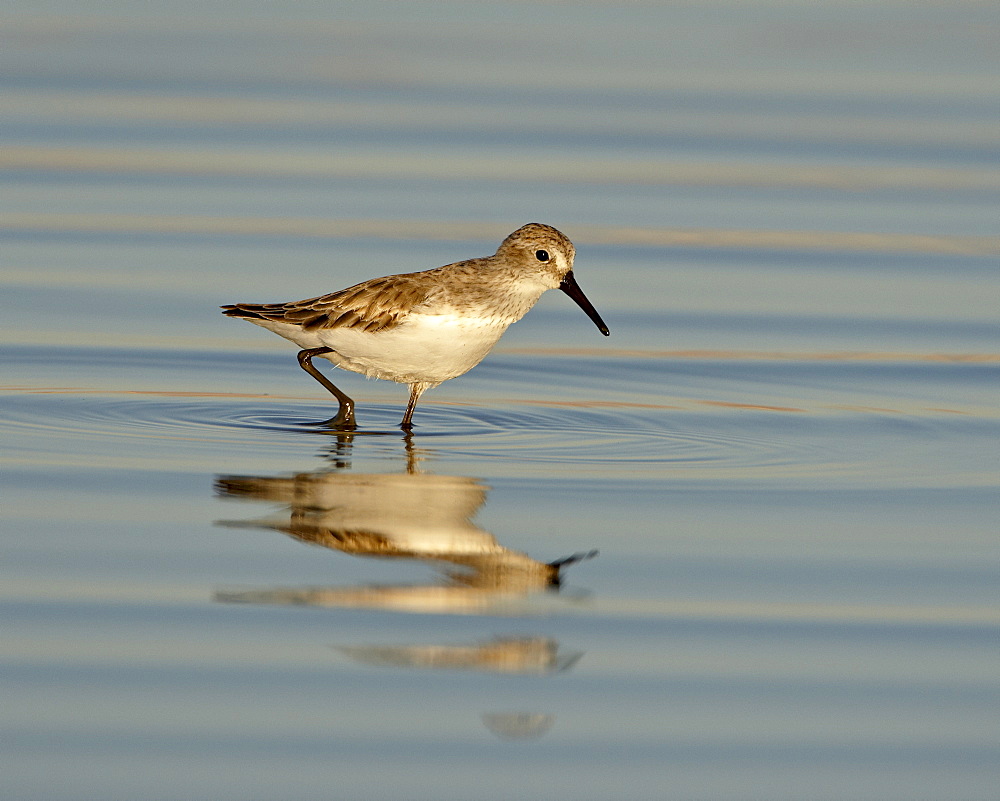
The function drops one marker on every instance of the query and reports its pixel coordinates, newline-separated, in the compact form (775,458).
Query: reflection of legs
(345,415)
(416,390)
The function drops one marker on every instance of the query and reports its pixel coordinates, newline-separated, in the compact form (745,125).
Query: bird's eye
(542,255)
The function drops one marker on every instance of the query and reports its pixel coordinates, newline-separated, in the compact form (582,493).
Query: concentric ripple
(512,438)
(126,415)
(603,436)
(551,433)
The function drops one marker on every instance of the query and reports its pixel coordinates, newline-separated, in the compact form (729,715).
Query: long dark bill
(571,288)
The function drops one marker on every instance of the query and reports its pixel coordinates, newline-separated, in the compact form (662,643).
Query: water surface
(745,547)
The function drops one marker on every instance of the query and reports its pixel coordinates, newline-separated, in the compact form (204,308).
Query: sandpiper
(423,328)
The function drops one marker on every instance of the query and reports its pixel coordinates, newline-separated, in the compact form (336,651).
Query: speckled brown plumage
(372,306)
(424,328)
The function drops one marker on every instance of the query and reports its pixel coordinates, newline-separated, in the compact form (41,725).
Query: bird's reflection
(406,516)
(421,517)
(523,655)
(518,725)
(340,445)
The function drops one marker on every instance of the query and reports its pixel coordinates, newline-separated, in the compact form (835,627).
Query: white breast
(427,348)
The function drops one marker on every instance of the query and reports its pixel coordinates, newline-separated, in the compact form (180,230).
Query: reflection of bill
(407,516)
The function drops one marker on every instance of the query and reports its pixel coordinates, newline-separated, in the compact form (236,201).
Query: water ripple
(600,437)
(73,411)
(526,433)
(724,443)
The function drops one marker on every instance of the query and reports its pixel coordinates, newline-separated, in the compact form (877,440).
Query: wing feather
(372,306)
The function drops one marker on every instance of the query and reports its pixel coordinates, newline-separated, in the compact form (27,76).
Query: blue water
(785,456)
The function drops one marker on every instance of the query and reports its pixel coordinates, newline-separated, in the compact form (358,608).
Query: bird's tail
(255,311)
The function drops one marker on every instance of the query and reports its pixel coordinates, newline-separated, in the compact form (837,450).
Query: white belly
(427,348)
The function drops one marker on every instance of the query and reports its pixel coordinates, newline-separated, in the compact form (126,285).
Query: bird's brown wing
(375,305)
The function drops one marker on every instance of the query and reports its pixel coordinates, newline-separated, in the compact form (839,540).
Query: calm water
(775,486)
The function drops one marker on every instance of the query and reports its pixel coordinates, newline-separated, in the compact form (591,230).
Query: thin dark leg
(345,415)
(416,390)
